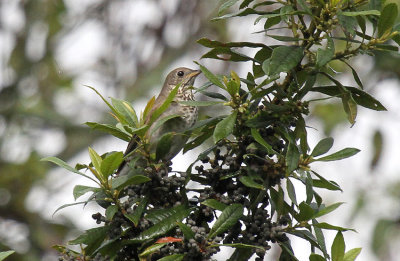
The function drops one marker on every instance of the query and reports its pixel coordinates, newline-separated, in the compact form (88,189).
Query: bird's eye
(180,73)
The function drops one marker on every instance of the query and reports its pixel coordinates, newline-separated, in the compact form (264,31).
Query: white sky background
(78,51)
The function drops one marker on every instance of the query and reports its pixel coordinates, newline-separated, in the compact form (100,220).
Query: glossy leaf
(306,212)
(325,55)
(360,97)
(110,211)
(327,209)
(322,147)
(111,162)
(138,212)
(352,254)
(5,254)
(80,190)
(125,180)
(229,216)
(338,247)
(92,238)
(186,230)
(209,75)
(107,128)
(292,158)
(387,19)
(342,154)
(365,12)
(224,127)
(151,250)
(320,238)
(291,191)
(257,137)
(126,110)
(226,5)
(166,224)
(249,182)
(96,159)
(158,111)
(64,165)
(284,58)
(215,204)
(324,225)
(316,257)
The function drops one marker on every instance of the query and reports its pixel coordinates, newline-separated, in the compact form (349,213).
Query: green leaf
(225,6)
(304,6)
(116,113)
(169,219)
(291,191)
(284,58)
(324,183)
(325,225)
(325,55)
(186,230)
(362,98)
(215,204)
(68,205)
(64,165)
(365,12)
(96,159)
(158,111)
(209,75)
(322,147)
(126,110)
(110,163)
(316,257)
(5,254)
(164,145)
(350,107)
(249,182)
(138,212)
(162,121)
(257,137)
(338,247)
(224,127)
(110,211)
(151,250)
(387,19)
(352,254)
(123,181)
(92,238)
(327,209)
(320,238)
(176,257)
(342,154)
(306,212)
(80,190)
(349,23)
(292,158)
(110,129)
(226,220)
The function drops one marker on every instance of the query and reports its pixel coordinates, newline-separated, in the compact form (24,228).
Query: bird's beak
(194,74)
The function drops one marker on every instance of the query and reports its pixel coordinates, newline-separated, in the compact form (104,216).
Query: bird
(176,125)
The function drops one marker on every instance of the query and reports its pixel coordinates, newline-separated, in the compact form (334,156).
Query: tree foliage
(245,196)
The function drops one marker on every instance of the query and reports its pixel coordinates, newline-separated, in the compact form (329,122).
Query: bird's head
(183,76)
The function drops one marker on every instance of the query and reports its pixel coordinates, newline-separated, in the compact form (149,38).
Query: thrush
(176,125)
